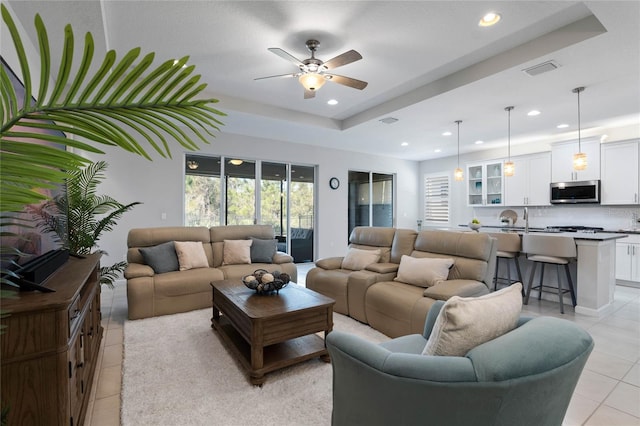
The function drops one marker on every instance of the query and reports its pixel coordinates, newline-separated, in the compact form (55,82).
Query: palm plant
(122,103)
(86,215)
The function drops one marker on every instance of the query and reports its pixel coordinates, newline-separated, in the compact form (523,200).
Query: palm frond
(127,103)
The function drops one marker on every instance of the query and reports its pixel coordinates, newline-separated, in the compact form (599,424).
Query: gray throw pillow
(162,258)
(262,251)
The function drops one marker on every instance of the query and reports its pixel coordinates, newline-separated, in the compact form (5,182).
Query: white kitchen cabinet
(529,186)
(562,161)
(628,258)
(620,178)
(485,185)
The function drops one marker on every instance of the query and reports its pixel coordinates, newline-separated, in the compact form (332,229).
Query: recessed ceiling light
(489,19)
(446,134)
(533,113)
(437,150)
(562,126)
(404,144)
(332,102)
(479,142)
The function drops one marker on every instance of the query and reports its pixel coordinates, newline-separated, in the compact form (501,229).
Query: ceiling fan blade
(344,59)
(280,75)
(347,81)
(309,94)
(285,55)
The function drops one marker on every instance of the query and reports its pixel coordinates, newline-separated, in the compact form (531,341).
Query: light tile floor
(608,393)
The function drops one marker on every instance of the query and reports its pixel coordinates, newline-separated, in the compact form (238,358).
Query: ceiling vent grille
(541,68)
(388,120)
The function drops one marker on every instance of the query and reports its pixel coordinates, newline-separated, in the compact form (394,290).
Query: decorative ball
(284,277)
(267,278)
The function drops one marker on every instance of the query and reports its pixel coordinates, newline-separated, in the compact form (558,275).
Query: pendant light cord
(508,109)
(458,123)
(578,90)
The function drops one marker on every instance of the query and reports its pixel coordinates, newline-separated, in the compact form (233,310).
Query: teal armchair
(524,377)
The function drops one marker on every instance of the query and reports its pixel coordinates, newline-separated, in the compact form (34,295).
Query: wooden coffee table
(269,332)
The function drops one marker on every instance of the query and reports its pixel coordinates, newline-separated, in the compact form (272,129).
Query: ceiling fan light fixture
(311,81)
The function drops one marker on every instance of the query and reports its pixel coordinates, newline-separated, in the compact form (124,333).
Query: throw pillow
(423,272)
(262,251)
(466,322)
(357,259)
(191,255)
(236,252)
(162,258)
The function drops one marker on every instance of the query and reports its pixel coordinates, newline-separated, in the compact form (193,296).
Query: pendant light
(509,167)
(579,159)
(457,173)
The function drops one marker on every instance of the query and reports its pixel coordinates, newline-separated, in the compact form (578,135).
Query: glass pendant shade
(458,174)
(580,161)
(509,168)
(311,81)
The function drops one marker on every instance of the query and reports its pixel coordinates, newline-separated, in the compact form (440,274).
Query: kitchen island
(596,267)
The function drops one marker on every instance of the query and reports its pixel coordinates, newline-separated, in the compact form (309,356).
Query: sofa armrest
(137,270)
(383,268)
(443,290)
(353,353)
(330,263)
(279,258)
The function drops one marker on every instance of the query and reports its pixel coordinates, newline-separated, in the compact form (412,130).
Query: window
(202,191)
(436,198)
(234,191)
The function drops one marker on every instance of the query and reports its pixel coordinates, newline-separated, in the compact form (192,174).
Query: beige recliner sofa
(395,308)
(150,294)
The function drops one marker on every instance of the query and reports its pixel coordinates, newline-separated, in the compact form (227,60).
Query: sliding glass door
(278,194)
(370,199)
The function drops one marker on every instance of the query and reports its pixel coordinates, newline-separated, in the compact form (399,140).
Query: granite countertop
(595,236)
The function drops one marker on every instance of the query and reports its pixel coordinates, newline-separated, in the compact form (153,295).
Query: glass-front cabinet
(485,186)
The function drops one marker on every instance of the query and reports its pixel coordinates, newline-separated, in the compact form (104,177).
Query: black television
(30,254)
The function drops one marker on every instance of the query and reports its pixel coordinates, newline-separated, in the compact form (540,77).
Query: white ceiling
(427,63)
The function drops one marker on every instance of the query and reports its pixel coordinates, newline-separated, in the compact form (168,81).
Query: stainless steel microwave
(577,192)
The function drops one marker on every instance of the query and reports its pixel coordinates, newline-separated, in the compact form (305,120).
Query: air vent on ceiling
(541,68)
(388,120)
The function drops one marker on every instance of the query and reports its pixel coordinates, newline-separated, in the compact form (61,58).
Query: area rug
(177,371)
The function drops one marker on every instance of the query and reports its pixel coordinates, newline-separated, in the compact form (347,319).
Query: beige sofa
(395,308)
(150,294)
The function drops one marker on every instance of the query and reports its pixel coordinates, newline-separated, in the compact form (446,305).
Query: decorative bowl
(474,226)
(265,282)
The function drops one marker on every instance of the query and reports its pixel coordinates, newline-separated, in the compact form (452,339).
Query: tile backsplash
(607,217)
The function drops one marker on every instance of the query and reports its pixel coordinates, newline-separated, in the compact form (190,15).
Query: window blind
(436,198)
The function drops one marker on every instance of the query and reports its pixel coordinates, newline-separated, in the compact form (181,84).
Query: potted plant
(86,216)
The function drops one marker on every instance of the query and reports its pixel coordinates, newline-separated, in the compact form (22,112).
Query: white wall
(158,184)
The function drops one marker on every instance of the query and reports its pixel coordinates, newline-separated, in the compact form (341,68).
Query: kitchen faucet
(526,220)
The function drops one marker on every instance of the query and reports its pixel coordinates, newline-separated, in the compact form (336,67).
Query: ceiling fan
(313,71)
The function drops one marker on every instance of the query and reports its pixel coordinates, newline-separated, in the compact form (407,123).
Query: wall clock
(334,183)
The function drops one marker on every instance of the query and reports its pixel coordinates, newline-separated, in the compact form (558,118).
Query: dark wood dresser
(49,347)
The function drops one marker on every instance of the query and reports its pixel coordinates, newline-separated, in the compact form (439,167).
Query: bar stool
(550,250)
(508,248)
